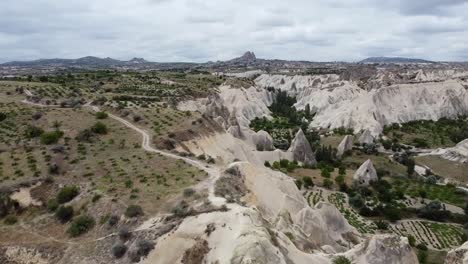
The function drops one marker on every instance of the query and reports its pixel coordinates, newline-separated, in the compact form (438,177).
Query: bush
(298,183)
(81,225)
(411,240)
(64,213)
(133,211)
(327,183)
(341,260)
(99,128)
(381,225)
(142,249)
(10,220)
(124,234)
(307,182)
(52,205)
(119,250)
(422,246)
(33,131)
(3,116)
(267,164)
(113,220)
(51,137)
(96,198)
(101,115)
(67,194)
(85,136)
(189,192)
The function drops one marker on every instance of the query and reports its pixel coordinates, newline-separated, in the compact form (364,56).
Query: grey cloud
(202,30)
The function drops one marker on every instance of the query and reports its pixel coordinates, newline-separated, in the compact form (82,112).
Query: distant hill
(85,61)
(393,60)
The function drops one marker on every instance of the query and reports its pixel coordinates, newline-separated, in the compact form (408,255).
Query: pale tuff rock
(338,103)
(280,202)
(459,153)
(365,174)
(383,248)
(458,255)
(366,137)
(345,145)
(263,141)
(300,147)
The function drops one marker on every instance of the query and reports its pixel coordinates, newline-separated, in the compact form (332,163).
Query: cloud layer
(202,30)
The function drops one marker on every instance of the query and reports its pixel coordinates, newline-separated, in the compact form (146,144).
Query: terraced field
(435,235)
(340,201)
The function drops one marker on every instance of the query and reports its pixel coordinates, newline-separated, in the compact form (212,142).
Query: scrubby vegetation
(286,121)
(428,133)
(81,225)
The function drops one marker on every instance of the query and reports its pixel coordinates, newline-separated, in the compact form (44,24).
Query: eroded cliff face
(385,98)
(273,206)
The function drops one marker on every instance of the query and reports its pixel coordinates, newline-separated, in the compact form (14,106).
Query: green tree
(99,128)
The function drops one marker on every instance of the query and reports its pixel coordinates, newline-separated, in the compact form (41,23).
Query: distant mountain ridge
(89,60)
(394,60)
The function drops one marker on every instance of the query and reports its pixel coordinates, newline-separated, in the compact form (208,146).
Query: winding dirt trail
(213,171)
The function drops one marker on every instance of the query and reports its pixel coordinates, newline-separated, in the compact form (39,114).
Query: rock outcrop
(345,145)
(458,255)
(365,174)
(301,149)
(459,153)
(343,103)
(383,248)
(263,141)
(366,137)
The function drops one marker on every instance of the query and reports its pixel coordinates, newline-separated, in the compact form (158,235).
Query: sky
(211,30)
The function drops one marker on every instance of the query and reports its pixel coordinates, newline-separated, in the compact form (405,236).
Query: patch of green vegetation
(81,225)
(444,193)
(285,122)
(51,137)
(429,134)
(67,194)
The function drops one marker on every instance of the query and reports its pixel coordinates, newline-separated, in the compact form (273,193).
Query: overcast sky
(202,30)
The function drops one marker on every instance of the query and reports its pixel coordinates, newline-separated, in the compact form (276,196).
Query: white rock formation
(345,145)
(366,137)
(365,174)
(459,153)
(383,248)
(344,104)
(263,141)
(301,149)
(275,195)
(458,255)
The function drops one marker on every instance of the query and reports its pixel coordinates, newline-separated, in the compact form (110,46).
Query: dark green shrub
(308,183)
(381,225)
(64,213)
(99,128)
(51,137)
(96,198)
(52,205)
(113,220)
(10,219)
(341,260)
(81,225)
(189,192)
(101,115)
(33,131)
(133,211)
(119,250)
(67,194)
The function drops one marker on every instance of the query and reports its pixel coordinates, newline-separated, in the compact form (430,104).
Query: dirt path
(213,171)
